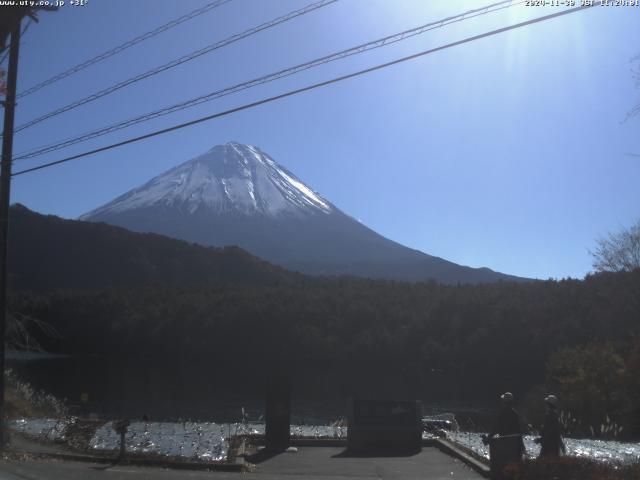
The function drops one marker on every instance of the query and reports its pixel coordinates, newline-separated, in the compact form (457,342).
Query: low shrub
(570,468)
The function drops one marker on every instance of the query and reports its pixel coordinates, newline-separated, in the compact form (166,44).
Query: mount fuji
(235,194)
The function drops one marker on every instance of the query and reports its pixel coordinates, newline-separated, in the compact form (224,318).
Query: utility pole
(10,20)
(5,196)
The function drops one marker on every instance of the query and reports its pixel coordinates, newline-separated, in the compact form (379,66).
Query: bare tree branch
(20,329)
(618,252)
(635,72)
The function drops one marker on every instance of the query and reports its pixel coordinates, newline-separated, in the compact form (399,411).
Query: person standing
(508,422)
(505,441)
(551,444)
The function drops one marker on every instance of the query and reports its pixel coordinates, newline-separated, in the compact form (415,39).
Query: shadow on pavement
(263,455)
(105,467)
(377,454)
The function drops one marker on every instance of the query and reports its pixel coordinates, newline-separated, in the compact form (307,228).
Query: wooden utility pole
(10,20)
(5,195)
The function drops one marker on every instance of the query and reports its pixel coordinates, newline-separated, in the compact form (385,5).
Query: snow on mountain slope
(228,178)
(237,195)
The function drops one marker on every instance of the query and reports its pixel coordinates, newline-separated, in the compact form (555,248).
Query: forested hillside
(47,252)
(115,293)
(453,343)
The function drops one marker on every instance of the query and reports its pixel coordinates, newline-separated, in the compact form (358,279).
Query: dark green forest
(446,343)
(47,252)
(463,344)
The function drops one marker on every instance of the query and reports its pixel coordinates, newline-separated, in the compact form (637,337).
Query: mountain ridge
(83,255)
(236,194)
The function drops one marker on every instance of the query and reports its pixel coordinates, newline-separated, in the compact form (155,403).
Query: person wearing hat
(508,421)
(551,444)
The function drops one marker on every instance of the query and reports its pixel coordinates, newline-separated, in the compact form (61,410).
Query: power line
(174,63)
(306,89)
(120,48)
(268,78)
(388,40)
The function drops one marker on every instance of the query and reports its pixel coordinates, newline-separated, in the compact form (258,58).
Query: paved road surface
(310,463)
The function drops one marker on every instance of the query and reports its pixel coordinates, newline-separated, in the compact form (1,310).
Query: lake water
(214,399)
(166,389)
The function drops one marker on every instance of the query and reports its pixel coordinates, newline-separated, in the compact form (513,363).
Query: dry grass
(23,401)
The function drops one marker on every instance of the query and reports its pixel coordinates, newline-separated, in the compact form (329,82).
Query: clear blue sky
(510,152)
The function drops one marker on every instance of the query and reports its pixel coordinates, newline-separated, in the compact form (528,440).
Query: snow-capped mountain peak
(230,178)
(235,194)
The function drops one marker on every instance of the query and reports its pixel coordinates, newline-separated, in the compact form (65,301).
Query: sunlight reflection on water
(609,451)
(209,441)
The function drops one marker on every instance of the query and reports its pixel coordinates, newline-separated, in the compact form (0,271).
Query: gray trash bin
(504,450)
(384,426)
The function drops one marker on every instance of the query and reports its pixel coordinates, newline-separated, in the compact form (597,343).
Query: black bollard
(504,450)
(277,413)
(122,445)
(121,427)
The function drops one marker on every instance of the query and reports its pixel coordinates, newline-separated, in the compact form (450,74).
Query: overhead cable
(306,89)
(174,63)
(381,42)
(124,46)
